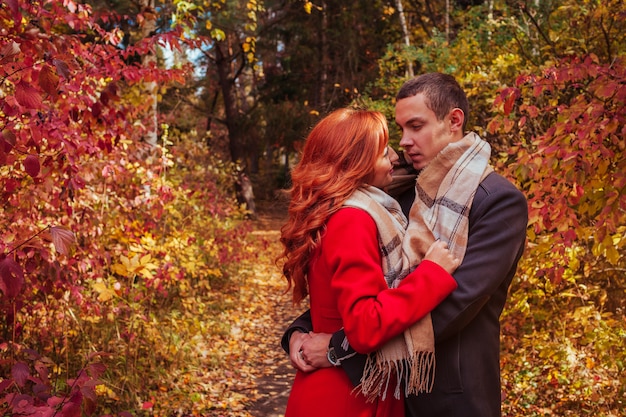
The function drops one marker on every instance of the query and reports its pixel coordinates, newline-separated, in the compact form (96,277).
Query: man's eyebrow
(413,120)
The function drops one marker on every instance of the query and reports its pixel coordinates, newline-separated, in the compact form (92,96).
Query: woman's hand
(439,253)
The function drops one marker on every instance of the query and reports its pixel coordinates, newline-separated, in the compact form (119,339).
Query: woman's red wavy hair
(338,156)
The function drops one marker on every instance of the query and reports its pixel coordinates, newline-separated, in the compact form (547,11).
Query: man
(431,111)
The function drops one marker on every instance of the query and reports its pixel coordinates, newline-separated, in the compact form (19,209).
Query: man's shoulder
(495,182)
(497,191)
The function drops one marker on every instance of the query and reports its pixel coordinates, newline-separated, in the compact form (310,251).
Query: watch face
(332,357)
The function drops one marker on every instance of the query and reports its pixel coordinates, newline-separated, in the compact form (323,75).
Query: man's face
(423,136)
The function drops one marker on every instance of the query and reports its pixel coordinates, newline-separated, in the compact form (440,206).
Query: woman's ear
(457,117)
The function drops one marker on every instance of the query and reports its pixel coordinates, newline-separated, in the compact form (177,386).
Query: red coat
(347,289)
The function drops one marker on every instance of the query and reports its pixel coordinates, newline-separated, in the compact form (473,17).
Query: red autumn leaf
(15,10)
(55,401)
(532,111)
(72,407)
(96,109)
(11,277)
(89,392)
(62,239)
(147,405)
(96,369)
(4,384)
(10,49)
(89,405)
(62,68)
(74,114)
(508,125)
(20,373)
(606,89)
(27,96)
(10,185)
(31,165)
(48,80)
(9,140)
(42,371)
(510,100)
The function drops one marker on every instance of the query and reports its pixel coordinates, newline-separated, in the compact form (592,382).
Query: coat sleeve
(371,312)
(302,324)
(496,240)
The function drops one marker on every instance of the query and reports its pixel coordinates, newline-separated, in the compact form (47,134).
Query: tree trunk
(227,85)
(148,60)
(447,20)
(405,36)
(324,58)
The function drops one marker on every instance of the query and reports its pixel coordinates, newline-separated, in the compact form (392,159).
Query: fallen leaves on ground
(239,364)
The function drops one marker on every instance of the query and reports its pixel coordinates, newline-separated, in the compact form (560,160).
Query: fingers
(440,253)
(315,349)
(296,355)
(302,363)
(437,247)
(441,243)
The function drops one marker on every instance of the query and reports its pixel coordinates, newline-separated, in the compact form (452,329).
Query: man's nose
(405,141)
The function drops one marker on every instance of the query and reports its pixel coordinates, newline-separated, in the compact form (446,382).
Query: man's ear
(457,117)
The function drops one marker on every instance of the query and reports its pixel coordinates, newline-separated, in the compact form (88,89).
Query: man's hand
(307,351)
(315,350)
(295,352)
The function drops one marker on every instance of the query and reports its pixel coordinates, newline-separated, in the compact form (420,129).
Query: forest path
(274,385)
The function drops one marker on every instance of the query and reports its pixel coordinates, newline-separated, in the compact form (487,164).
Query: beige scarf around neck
(445,190)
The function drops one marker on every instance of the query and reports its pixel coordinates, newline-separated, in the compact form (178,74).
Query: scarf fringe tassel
(416,374)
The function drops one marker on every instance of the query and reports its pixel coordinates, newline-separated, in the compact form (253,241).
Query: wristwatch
(332,357)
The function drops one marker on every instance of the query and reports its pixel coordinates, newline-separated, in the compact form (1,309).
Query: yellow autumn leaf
(612,255)
(148,241)
(103,391)
(135,247)
(104,293)
(132,264)
(215,272)
(119,269)
(218,34)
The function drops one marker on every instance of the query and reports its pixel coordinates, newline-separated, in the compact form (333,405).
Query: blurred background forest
(130,127)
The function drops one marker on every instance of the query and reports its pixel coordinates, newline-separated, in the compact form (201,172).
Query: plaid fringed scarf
(445,190)
(391,224)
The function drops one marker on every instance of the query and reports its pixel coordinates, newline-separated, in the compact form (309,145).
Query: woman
(332,253)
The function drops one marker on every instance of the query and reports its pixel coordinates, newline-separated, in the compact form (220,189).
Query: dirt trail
(274,385)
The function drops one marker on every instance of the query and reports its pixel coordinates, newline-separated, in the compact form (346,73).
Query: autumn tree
(567,124)
(98,245)
(564,117)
